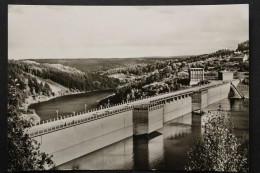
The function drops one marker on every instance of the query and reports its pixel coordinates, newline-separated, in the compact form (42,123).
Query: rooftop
(225,71)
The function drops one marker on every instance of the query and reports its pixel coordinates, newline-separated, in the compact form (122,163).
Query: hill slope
(66,76)
(89,65)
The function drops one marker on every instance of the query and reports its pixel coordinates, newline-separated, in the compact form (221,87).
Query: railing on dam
(87,116)
(96,115)
(73,122)
(108,107)
(98,109)
(172,98)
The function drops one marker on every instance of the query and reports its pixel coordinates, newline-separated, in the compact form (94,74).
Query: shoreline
(98,101)
(34,117)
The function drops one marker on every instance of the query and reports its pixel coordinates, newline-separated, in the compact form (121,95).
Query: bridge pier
(199,99)
(147,118)
(150,117)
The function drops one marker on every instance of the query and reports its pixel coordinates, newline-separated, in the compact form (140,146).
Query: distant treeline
(143,69)
(89,65)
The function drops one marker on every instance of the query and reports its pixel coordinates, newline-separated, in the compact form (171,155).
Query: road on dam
(50,124)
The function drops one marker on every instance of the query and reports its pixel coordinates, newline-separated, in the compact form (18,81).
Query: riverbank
(32,116)
(46,109)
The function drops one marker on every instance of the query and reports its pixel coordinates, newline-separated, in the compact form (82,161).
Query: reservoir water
(67,104)
(165,149)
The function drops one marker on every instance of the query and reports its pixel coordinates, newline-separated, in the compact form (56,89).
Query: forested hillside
(171,74)
(35,78)
(137,77)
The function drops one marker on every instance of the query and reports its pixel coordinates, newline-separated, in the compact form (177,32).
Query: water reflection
(177,139)
(115,156)
(148,151)
(165,149)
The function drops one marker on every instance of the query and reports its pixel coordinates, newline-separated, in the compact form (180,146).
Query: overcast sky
(123,31)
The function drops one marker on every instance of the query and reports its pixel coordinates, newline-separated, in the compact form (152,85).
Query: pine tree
(23,152)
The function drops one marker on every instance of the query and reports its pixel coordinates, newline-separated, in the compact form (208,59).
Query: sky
(44,32)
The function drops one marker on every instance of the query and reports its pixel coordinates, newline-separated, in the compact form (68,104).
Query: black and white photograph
(151,87)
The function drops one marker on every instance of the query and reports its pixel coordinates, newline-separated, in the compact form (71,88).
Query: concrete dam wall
(67,144)
(218,93)
(91,134)
(177,108)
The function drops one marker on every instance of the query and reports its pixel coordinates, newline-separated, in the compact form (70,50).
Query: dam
(98,128)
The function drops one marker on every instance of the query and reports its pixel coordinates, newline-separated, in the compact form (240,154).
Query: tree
(47,89)
(218,149)
(243,46)
(23,152)
(40,87)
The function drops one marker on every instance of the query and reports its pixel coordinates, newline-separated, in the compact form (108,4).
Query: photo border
(254,37)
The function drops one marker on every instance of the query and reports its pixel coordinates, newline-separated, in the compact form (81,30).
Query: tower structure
(196,75)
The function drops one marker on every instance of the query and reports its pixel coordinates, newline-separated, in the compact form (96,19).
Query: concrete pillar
(199,100)
(145,121)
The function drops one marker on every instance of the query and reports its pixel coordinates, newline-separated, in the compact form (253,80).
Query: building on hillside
(225,75)
(240,58)
(196,75)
